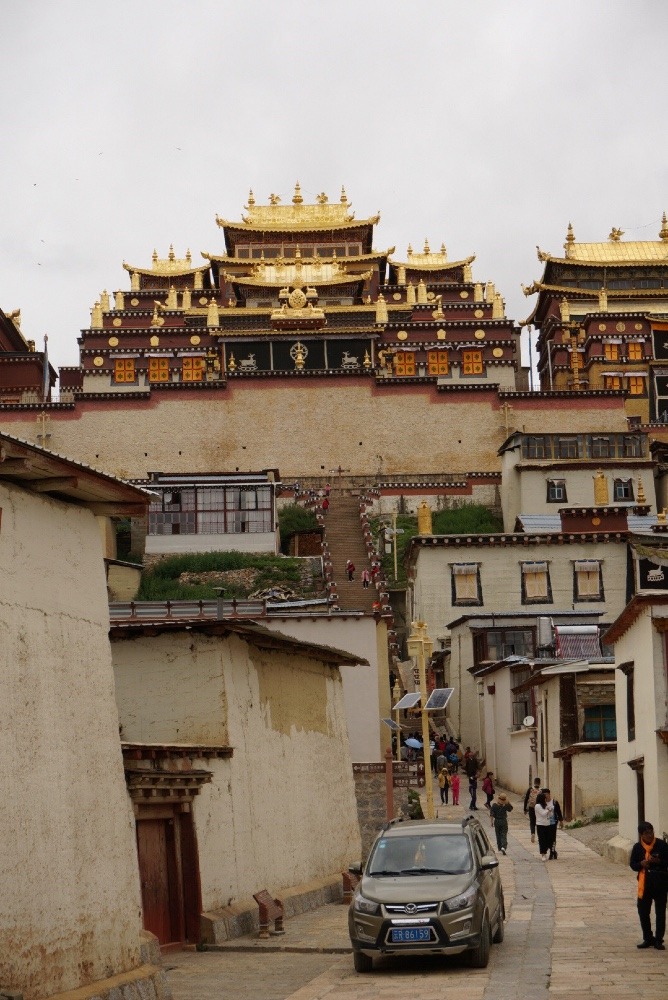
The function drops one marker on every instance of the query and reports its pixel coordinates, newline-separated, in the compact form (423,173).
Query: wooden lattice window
(193,370)
(437,362)
(611,352)
(472,362)
(636,385)
(635,351)
(404,363)
(613,382)
(124,370)
(158,369)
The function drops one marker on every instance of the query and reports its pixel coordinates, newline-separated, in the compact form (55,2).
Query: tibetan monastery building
(297,345)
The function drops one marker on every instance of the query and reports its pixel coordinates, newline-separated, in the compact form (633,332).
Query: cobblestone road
(571,933)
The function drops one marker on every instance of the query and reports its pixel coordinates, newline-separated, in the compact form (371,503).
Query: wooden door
(568,788)
(157,868)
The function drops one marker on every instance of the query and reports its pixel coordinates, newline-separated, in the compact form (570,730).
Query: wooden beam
(54,484)
(123,507)
(15,467)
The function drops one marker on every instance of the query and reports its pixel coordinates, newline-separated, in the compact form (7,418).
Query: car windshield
(415,854)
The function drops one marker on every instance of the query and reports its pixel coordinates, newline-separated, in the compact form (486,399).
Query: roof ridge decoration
(171,264)
(319,214)
(614,250)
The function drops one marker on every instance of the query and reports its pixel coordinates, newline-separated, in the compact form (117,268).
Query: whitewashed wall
(70,911)
(282,810)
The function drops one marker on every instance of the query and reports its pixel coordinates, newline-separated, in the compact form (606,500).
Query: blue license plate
(402,935)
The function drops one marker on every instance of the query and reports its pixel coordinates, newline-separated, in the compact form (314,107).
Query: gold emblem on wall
(194,340)
(479,313)
(154,341)
(113,342)
(299,354)
(479,335)
(463,295)
(498,352)
(397,296)
(402,335)
(602,327)
(117,321)
(134,302)
(98,362)
(620,327)
(440,334)
(203,301)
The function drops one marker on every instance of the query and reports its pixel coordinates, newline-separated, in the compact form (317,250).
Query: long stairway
(346,541)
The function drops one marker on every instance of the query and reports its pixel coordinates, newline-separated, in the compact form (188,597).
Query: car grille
(412,909)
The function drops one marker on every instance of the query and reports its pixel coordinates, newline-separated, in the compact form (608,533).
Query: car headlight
(461,902)
(363,905)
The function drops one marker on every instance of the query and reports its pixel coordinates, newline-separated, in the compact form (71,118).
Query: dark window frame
(552,487)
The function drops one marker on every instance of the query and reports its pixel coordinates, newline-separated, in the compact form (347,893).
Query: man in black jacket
(649,857)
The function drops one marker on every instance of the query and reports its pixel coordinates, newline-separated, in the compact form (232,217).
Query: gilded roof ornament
(663,233)
(297,196)
(275,217)
(169,265)
(443,250)
(251,198)
(171,252)
(410,250)
(321,198)
(274,199)
(426,248)
(344,196)
(615,234)
(570,235)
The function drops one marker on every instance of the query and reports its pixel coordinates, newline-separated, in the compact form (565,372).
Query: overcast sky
(129,124)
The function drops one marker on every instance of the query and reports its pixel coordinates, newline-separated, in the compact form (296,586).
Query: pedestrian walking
(366,578)
(444,785)
(544,810)
(530,806)
(488,788)
(649,857)
(325,505)
(473,790)
(454,785)
(556,818)
(498,813)
(350,569)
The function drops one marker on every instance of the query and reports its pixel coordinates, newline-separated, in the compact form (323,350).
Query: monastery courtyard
(571,932)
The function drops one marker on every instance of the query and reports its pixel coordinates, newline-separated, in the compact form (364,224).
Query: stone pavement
(571,933)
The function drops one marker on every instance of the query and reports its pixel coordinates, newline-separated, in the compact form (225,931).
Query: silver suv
(427,888)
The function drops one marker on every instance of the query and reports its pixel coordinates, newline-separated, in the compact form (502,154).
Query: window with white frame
(536,587)
(587,580)
(466,587)
(556,491)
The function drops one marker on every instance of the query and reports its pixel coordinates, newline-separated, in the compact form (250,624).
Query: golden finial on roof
(297,196)
(171,255)
(251,198)
(443,250)
(189,256)
(410,250)
(642,499)
(426,246)
(274,199)
(615,234)
(154,257)
(344,196)
(570,235)
(663,234)
(322,198)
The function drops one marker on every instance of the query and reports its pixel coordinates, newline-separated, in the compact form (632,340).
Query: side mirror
(489,861)
(356,868)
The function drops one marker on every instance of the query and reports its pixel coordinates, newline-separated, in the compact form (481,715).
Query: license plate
(401,935)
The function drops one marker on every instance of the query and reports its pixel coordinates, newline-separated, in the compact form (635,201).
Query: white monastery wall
(281,811)
(70,911)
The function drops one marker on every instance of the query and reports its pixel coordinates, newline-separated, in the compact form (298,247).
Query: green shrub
(161,582)
(294,518)
(608,815)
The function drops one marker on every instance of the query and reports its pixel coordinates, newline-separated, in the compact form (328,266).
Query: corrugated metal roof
(576,645)
(545,524)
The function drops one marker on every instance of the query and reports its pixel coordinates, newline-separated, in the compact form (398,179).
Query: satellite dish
(528,721)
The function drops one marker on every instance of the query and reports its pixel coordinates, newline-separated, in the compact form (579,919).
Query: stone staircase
(345,541)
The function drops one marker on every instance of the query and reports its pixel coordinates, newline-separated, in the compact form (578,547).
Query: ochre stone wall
(308,427)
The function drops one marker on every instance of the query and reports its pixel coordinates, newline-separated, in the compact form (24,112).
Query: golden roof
(295,273)
(170,265)
(298,216)
(615,250)
(428,261)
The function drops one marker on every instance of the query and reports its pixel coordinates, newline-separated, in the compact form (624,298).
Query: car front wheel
(362,962)
(480,954)
(500,927)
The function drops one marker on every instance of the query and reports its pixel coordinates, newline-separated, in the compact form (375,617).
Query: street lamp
(396,695)
(420,645)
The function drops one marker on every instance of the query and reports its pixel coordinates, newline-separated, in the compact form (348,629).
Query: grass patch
(161,582)
(293,517)
(608,815)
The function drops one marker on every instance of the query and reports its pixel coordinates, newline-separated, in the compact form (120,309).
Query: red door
(155,848)
(568,788)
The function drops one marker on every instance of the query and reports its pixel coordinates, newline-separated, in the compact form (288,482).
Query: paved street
(572,932)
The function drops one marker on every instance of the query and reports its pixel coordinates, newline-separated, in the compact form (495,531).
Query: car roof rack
(392,822)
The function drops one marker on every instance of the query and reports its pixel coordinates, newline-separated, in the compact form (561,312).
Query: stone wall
(371,792)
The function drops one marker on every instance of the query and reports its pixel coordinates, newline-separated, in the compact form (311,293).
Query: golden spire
(410,250)
(251,198)
(570,235)
(297,196)
(189,256)
(663,234)
(426,246)
(171,254)
(443,250)
(642,499)
(344,196)
(154,256)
